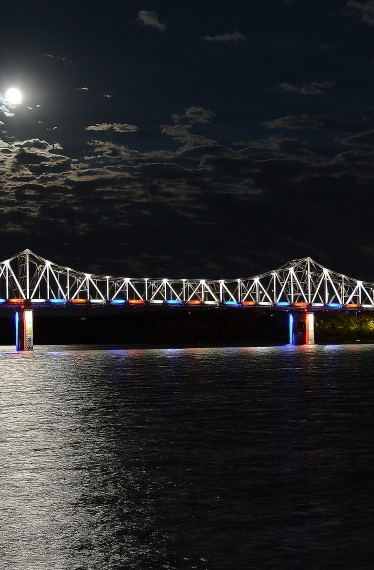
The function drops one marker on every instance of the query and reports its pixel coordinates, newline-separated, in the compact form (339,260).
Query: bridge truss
(27,278)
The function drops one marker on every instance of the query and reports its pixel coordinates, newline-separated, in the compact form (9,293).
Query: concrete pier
(301,328)
(24,329)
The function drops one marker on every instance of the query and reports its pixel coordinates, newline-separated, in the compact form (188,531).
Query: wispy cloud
(365,138)
(294,123)
(313,88)
(116,127)
(366,9)
(151,20)
(195,115)
(227,37)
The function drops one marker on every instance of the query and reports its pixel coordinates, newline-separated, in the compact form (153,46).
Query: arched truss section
(27,277)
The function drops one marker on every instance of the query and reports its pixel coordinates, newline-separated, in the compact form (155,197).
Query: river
(208,458)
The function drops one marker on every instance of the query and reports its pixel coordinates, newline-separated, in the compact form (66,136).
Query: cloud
(5,107)
(116,127)
(182,134)
(151,20)
(228,37)
(366,9)
(292,122)
(195,115)
(365,138)
(314,88)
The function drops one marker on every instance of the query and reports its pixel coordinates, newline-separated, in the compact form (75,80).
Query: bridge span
(301,287)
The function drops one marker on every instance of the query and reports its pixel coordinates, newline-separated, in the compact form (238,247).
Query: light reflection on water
(219,458)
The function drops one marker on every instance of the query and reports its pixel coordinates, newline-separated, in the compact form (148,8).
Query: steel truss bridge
(27,278)
(301,287)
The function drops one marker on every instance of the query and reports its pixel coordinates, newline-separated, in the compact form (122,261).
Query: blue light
(174,302)
(17,324)
(290,326)
(334,305)
(231,303)
(118,301)
(2,300)
(283,304)
(58,300)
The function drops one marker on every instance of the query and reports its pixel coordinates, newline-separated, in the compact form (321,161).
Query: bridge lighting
(283,304)
(88,275)
(249,303)
(58,301)
(334,305)
(118,301)
(174,302)
(164,280)
(2,300)
(231,303)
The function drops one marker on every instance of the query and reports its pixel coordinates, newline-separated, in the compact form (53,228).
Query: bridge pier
(301,328)
(24,329)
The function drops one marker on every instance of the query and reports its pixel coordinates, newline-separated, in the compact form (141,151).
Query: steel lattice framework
(301,283)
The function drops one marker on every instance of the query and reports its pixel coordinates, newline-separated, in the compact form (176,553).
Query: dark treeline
(194,327)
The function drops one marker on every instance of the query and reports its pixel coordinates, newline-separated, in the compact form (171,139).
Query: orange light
(136,301)
(16,301)
(79,301)
(300,304)
(249,303)
(194,302)
(352,306)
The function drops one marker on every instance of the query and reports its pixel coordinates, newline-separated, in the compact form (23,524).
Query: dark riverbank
(184,327)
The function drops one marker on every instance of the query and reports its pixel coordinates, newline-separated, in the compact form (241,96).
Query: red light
(300,304)
(79,301)
(136,301)
(249,303)
(352,306)
(16,301)
(194,302)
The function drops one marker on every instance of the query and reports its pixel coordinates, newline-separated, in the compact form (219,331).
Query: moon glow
(13,96)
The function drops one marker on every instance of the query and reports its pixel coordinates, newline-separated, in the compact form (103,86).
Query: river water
(210,458)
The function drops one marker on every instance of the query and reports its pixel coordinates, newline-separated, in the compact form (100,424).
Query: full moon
(13,96)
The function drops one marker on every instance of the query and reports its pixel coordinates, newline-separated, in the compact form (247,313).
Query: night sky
(188,138)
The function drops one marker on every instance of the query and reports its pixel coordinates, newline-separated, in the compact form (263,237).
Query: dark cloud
(292,122)
(195,115)
(227,37)
(314,88)
(366,9)
(151,20)
(365,138)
